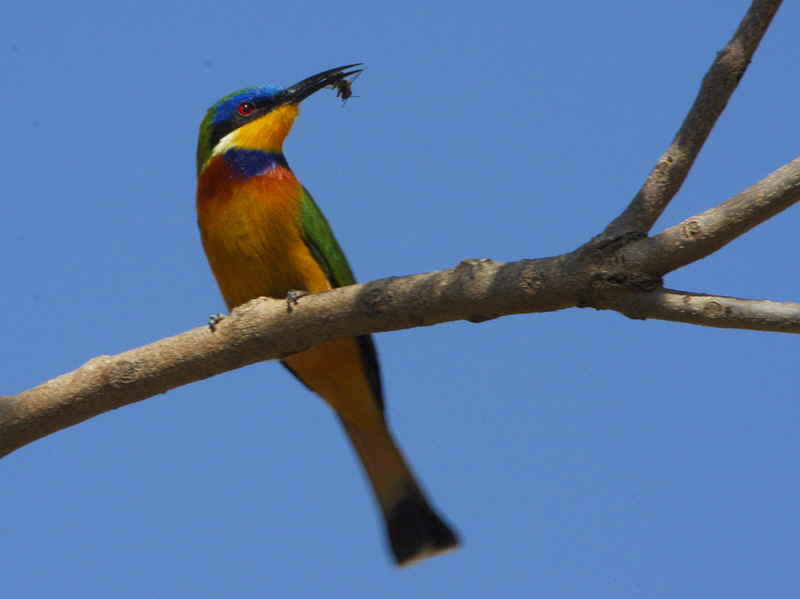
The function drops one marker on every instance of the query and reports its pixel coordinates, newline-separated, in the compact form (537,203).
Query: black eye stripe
(257,106)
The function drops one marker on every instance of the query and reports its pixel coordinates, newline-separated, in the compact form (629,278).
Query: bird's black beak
(294,94)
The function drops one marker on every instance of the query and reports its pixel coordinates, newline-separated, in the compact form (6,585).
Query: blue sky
(580,454)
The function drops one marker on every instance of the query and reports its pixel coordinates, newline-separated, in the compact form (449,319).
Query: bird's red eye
(246,108)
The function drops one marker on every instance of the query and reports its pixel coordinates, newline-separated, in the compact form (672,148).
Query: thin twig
(718,85)
(702,235)
(707,310)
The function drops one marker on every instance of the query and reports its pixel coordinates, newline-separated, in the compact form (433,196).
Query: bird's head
(259,118)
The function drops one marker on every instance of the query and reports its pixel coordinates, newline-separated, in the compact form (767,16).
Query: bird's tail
(414,529)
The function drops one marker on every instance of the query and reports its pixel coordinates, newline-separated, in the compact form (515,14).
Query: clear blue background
(580,454)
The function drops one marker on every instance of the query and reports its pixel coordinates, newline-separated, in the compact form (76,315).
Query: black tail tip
(416,532)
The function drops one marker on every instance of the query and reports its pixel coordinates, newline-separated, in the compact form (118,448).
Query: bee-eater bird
(264,235)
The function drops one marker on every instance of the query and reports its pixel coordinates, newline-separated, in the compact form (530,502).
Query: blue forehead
(226,107)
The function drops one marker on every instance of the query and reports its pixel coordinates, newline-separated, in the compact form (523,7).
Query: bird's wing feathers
(328,253)
(323,245)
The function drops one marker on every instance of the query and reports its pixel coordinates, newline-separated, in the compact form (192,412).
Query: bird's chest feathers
(248,203)
(250,226)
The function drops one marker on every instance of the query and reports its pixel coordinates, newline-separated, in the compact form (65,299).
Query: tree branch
(707,310)
(702,235)
(718,85)
(265,329)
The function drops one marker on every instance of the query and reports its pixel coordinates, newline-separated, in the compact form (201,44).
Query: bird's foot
(214,320)
(293,298)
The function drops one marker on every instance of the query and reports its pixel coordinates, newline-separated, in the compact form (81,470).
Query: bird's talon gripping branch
(293,298)
(214,320)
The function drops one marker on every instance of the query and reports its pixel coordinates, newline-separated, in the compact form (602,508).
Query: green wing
(328,253)
(323,245)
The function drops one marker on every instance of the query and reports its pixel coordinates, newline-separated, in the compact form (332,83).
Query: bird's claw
(293,298)
(214,320)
